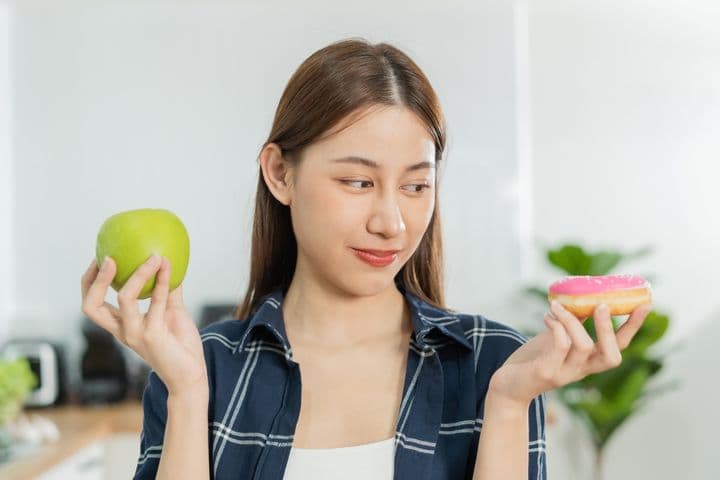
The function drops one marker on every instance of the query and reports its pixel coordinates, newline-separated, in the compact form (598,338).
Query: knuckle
(150,265)
(124,297)
(607,326)
(547,376)
(133,341)
(161,291)
(614,359)
(150,336)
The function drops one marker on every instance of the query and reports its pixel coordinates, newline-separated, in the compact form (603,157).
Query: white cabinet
(87,464)
(111,459)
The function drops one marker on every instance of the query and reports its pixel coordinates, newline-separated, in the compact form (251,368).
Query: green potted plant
(16,382)
(604,402)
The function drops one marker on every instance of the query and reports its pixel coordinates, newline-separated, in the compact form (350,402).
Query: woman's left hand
(564,353)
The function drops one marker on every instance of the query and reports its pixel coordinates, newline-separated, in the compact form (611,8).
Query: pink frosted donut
(580,294)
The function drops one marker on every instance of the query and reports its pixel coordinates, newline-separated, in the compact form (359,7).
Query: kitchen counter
(79,426)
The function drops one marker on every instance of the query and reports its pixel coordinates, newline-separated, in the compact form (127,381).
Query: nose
(386,218)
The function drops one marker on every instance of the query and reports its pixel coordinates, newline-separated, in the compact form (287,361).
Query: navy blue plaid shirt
(255,396)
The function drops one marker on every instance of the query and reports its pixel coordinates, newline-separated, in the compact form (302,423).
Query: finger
(627,330)
(108,317)
(95,283)
(128,294)
(158,303)
(561,345)
(582,344)
(113,310)
(175,298)
(607,353)
(132,320)
(88,277)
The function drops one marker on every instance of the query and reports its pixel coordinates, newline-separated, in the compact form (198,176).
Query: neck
(314,314)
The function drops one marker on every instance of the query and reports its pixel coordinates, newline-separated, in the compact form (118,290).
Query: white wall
(124,105)
(7,185)
(559,112)
(626,141)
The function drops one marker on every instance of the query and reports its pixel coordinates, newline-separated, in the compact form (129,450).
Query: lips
(377,258)
(378,253)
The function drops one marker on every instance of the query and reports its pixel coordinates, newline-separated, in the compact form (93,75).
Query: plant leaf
(570,258)
(652,330)
(601,263)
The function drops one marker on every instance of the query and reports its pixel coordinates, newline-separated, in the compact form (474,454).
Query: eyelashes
(423,186)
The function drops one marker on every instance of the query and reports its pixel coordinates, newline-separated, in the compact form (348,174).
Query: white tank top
(371,460)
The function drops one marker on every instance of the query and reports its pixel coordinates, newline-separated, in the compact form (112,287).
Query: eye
(355,181)
(422,187)
(416,187)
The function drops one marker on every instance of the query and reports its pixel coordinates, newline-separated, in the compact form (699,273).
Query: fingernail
(105,262)
(153,259)
(602,307)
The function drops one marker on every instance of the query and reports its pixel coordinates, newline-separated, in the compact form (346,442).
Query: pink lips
(377,258)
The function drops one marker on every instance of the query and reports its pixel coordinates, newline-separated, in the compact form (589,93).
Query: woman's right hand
(165,337)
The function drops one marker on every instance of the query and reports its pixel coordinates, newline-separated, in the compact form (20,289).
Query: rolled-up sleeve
(537,467)
(493,346)
(154,402)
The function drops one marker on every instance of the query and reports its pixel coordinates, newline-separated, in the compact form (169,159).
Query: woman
(343,361)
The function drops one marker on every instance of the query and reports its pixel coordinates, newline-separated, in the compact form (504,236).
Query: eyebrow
(373,164)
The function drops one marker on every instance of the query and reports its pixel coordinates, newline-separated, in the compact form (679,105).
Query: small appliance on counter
(216,312)
(104,377)
(47,362)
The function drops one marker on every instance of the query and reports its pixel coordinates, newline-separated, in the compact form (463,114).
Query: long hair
(340,79)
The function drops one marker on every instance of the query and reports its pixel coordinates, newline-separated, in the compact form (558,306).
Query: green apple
(131,237)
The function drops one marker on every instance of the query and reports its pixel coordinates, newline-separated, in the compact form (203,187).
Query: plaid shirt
(255,396)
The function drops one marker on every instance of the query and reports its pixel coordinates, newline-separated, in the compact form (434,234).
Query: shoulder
(220,339)
(492,341)
(224,333)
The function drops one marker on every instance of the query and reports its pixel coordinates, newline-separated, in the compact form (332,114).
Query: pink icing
(583,284)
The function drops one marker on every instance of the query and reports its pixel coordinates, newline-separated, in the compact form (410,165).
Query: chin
(366,285)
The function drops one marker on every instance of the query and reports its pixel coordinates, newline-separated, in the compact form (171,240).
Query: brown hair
(341,79)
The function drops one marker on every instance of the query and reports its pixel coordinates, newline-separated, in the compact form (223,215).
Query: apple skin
(131,237)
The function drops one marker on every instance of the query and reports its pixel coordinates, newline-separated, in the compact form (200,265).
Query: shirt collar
(431,325)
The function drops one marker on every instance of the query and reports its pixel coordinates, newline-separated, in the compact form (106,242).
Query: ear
(277,173)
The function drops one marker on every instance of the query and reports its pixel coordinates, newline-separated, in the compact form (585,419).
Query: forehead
(392,136)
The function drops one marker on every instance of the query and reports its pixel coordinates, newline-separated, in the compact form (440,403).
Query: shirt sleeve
(493,345)
(154,402)
(537,467)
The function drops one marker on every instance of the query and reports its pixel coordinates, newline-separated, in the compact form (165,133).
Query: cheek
(323,218)
(327,219)
(417,221)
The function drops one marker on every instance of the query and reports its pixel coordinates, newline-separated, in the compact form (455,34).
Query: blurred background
(587,123)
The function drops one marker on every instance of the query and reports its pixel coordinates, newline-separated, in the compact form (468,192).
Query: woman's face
(339,203)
